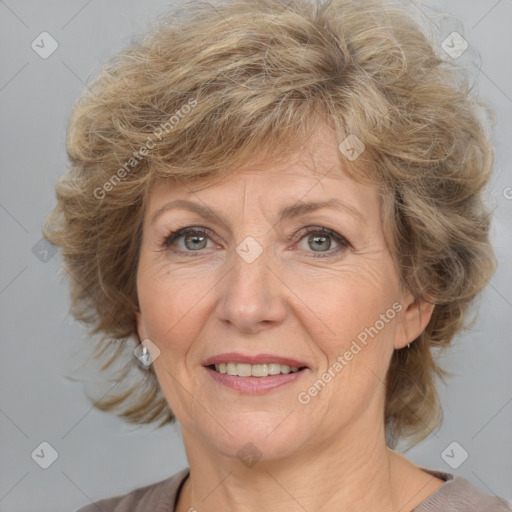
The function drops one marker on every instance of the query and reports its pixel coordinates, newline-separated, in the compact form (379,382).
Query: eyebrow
(287,212)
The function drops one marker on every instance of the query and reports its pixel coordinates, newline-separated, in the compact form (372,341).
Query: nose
(252,296)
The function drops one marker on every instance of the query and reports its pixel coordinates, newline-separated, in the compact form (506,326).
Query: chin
(262,437)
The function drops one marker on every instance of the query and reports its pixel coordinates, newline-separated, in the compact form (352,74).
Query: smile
(254,370)
(254,374)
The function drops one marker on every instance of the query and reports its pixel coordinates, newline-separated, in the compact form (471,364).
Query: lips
(254,370)
(258,359)
(254,374)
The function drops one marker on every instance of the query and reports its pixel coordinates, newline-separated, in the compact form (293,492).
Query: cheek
(356,358)
(347,302)
(358,327)
(170,305)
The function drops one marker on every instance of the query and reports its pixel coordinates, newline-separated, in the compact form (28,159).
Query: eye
(318,239)
(194,239)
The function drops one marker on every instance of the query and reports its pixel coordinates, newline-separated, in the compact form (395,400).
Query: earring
(145,358)
(408,345)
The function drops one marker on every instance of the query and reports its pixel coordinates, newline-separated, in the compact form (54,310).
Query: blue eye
(195,239)
(321,238)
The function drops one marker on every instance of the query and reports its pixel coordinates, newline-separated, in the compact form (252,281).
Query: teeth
(254,370)
(274,369)
(243,370)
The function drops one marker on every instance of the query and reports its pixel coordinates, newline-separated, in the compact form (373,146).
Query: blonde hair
(208,89)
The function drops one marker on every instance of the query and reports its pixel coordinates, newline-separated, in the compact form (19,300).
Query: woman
(282,201)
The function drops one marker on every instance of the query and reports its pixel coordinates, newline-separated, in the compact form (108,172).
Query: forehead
(316,174)
(277,197)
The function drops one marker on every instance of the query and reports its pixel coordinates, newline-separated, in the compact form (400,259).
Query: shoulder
(158,496)
(459,495)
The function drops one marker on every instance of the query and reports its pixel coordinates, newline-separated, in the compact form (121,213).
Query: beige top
(456,495)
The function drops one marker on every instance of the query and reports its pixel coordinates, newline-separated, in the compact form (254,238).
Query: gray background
(99,455)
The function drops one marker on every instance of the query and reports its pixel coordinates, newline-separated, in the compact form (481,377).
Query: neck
(353,472)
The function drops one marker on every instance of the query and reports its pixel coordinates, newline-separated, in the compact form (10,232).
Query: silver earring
(408,345)
(145,358)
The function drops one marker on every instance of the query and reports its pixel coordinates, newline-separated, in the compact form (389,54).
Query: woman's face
(269,281)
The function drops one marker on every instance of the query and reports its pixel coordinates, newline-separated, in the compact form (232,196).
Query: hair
(207,89)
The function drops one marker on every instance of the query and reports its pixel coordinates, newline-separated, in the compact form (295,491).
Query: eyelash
(342,241)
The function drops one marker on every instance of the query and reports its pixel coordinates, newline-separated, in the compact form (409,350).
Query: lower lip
(254,385)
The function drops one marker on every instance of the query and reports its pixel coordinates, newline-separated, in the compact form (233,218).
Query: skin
(328,454)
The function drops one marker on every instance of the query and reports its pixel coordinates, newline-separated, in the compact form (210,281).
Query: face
(236,278)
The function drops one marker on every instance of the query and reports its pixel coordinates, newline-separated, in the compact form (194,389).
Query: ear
(414,319)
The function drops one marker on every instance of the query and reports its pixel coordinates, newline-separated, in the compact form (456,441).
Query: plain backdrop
(97,455)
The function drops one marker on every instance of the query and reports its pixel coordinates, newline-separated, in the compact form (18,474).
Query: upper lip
(235,357)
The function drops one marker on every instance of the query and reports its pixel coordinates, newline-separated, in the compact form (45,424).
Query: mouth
(255,370)
(254,374)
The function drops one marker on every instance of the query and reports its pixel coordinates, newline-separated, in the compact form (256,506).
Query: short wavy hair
(207,89)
